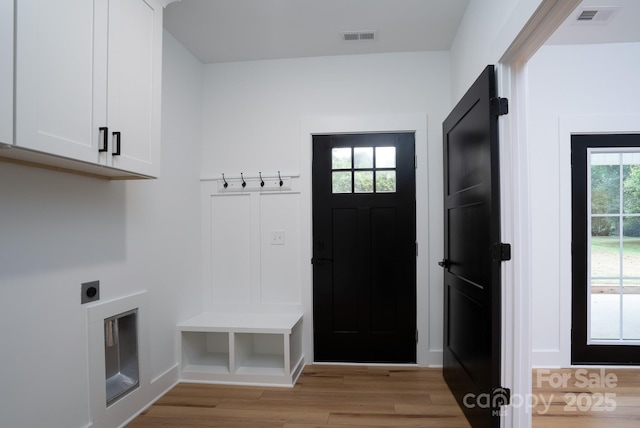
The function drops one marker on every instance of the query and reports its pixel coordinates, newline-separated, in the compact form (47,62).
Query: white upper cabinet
(6,72)
(88,82)
(61,87)
(134,85)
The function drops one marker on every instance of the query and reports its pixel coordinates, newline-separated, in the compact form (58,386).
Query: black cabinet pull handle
(116,144)
(105,139)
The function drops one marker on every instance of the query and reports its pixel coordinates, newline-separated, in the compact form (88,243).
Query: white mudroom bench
(241,348)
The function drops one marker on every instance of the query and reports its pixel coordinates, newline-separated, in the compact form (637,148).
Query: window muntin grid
(613,243)
(363,169)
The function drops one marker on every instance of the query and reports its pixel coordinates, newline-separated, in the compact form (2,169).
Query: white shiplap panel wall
(230,256)
(280,264)
(242,270)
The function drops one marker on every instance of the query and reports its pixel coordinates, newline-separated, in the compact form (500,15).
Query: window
(606,249)
(614,244)
(363,169)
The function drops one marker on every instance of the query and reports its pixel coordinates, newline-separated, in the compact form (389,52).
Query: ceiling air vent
(354,36)
(599,15)
(587,15)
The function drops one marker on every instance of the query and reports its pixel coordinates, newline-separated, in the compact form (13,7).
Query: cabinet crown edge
(166,3)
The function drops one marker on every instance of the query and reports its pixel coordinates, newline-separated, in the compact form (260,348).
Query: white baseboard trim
(158,387)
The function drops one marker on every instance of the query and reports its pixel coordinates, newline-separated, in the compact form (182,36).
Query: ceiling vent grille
(587,15)
(355,36)
(597,15)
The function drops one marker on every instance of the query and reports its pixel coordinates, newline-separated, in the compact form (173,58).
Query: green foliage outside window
(605,199)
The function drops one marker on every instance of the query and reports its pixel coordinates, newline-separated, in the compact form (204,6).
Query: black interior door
(364,260)
(473,252)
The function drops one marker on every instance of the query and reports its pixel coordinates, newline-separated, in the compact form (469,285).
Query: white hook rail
(253,183)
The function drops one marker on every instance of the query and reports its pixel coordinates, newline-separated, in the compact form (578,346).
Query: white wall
(58,230)
(588,88)
(487,30)
(6,71)
(257,117)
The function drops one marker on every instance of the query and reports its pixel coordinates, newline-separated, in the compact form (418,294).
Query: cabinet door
(6,72)
(61,76)
(135,65)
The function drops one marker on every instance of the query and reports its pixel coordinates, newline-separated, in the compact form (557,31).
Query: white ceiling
(622,27)
(243,30)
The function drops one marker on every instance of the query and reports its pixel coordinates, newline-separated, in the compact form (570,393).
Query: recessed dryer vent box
(121,355)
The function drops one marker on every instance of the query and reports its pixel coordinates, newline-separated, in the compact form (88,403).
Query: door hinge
(415,161)
(501,252)
(416,248)
(499,106)
(500,396)
(416,336)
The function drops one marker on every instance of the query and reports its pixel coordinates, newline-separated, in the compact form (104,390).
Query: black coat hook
(261,180)
(225,185)
(244,183)
(280,178)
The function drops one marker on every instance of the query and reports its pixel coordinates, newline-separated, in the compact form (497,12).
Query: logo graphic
(573,388)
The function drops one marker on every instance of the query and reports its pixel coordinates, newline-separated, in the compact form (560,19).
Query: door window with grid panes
(363,170)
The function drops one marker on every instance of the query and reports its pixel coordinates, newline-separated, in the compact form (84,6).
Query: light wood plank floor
(324,396)
(359,397)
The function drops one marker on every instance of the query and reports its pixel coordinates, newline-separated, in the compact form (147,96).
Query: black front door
(473,252)
(364,260)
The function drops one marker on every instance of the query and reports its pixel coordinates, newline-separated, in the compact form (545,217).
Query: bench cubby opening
(205,351)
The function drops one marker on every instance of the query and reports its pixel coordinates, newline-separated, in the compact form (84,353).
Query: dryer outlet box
(89,292)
